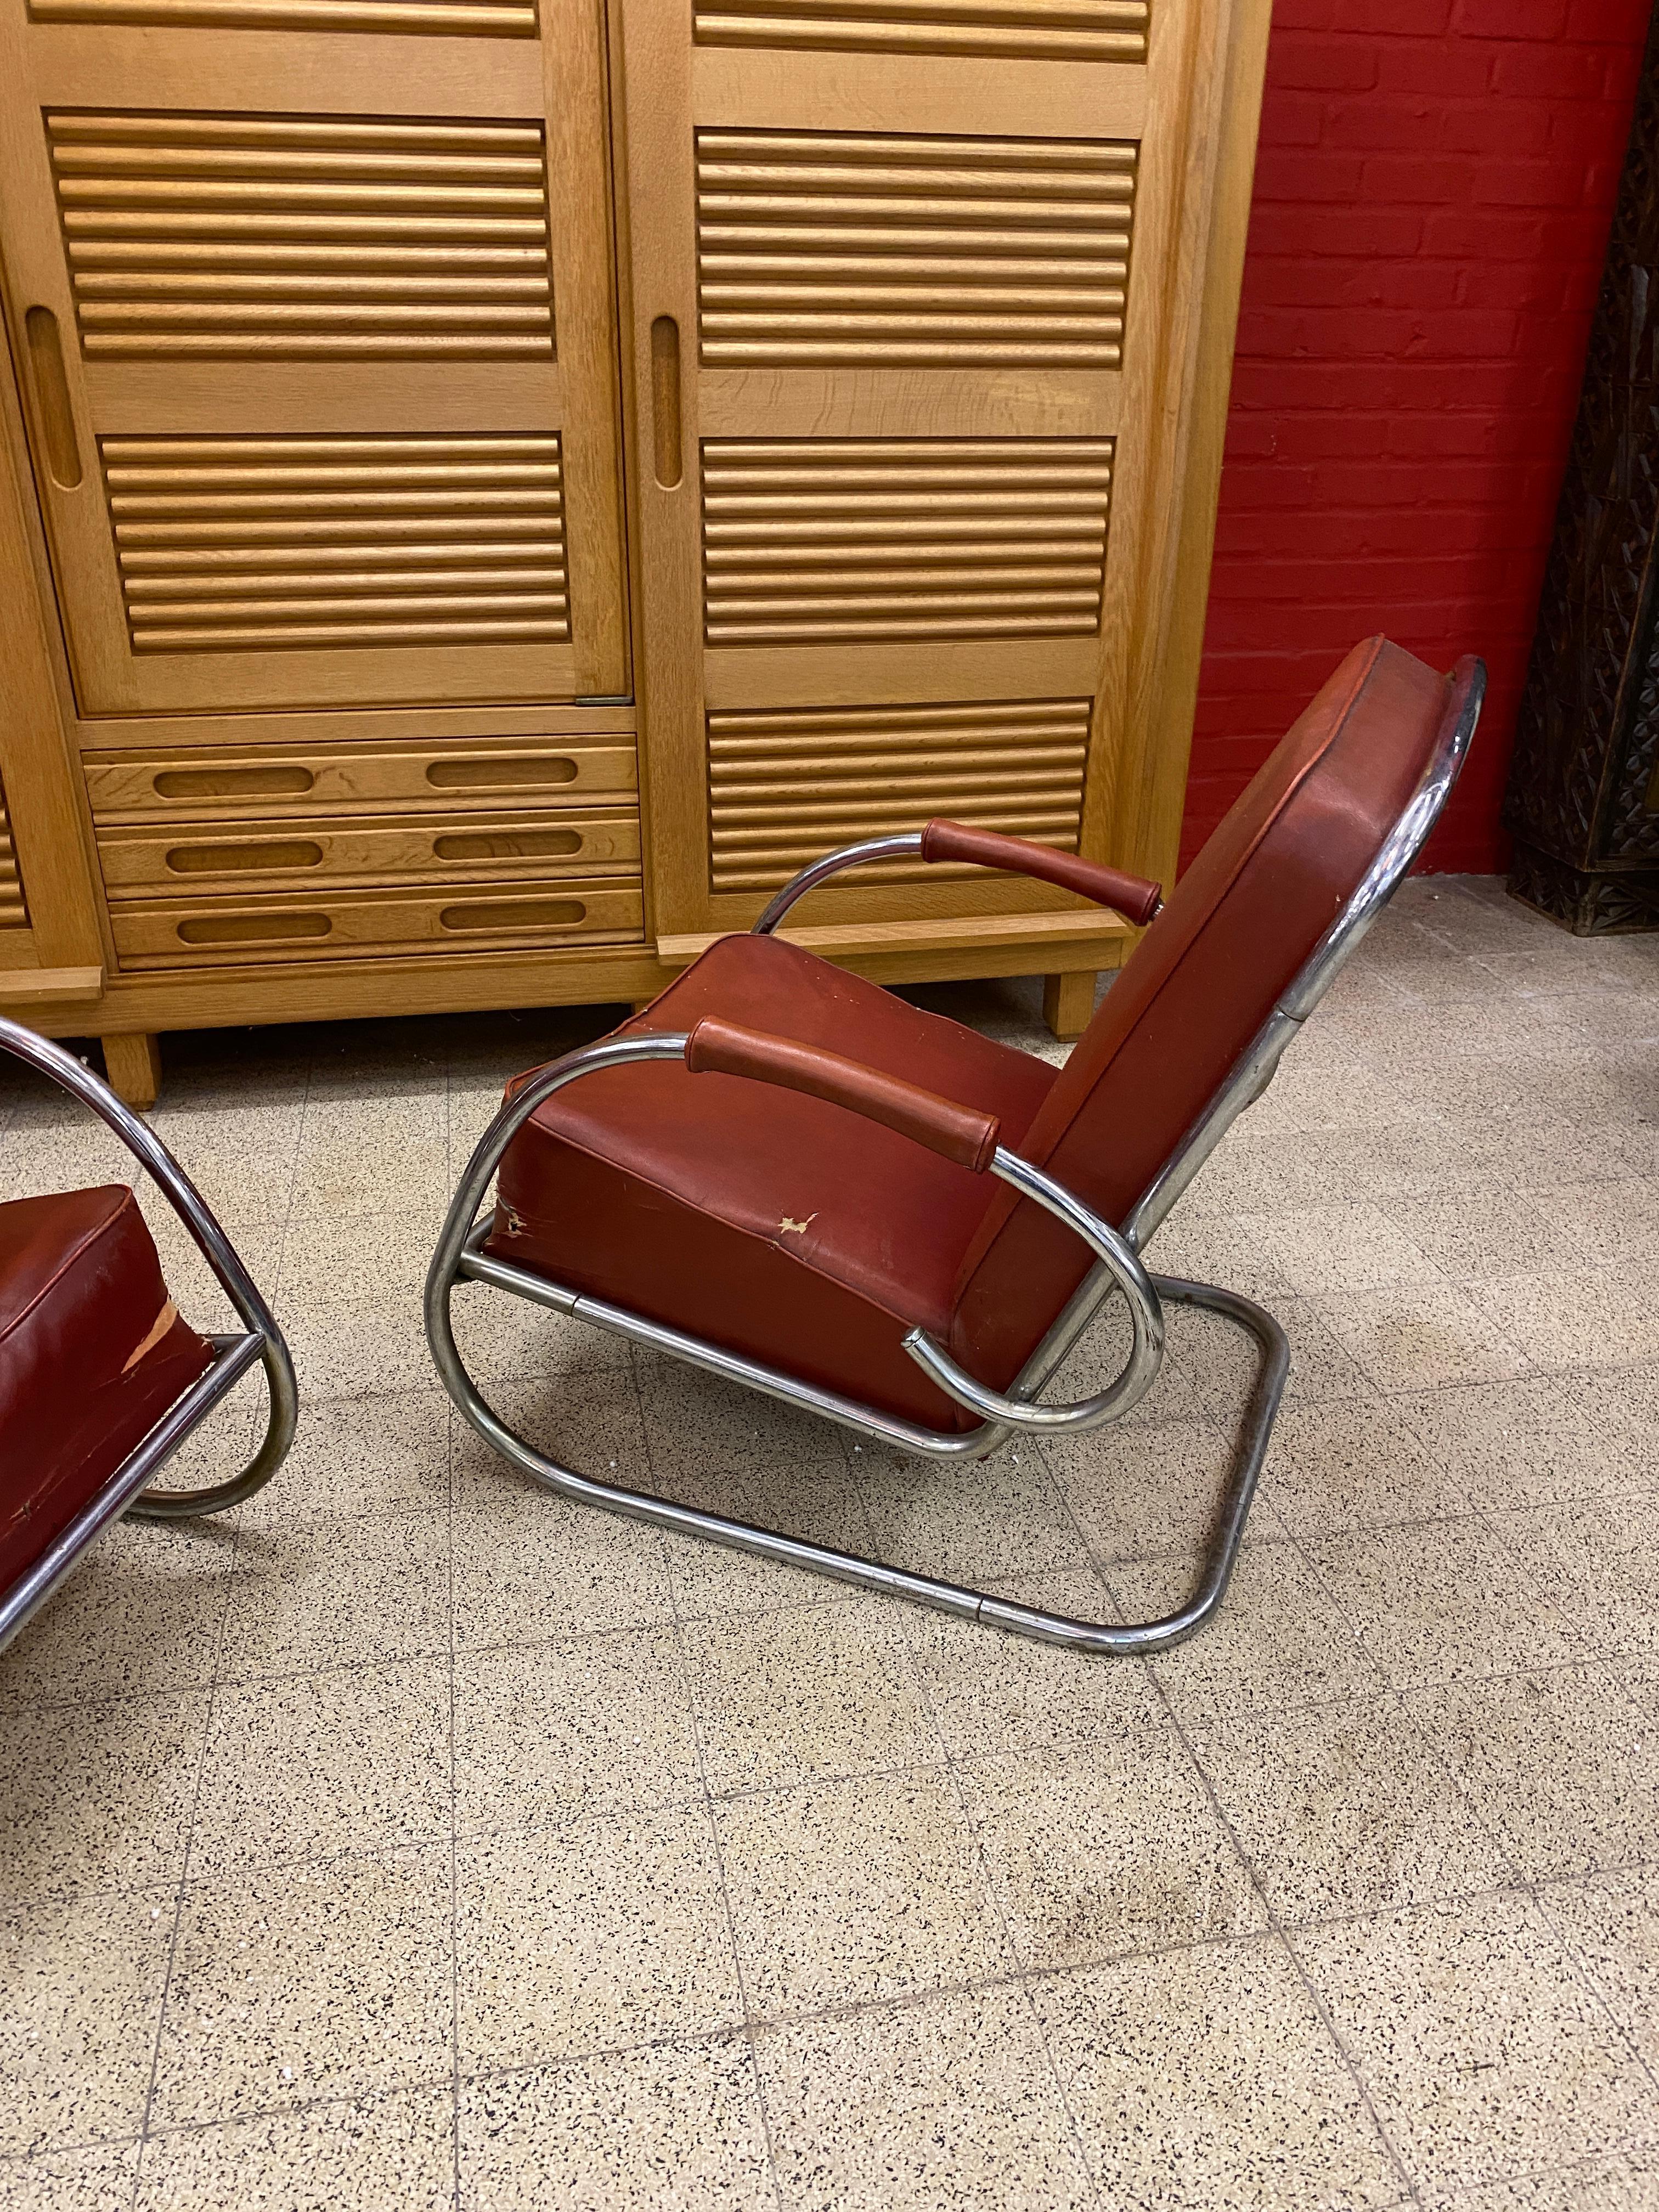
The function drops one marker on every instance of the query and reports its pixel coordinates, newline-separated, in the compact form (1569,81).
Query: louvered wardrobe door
(316,340)
(913,284)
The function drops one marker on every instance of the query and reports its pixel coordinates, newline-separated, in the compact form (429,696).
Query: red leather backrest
(1206,974)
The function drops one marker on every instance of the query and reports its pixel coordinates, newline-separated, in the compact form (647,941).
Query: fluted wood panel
(1043,30)
(785,787)
(832,539)
(831,248)
(444,18)
(289,237)
(239,543)
(14,914)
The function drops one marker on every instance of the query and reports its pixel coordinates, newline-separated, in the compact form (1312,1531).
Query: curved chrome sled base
(847,1567)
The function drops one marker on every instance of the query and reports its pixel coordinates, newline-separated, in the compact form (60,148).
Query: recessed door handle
(51,397)
(665,400)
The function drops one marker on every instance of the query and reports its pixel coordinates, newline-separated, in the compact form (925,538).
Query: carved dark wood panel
(1581,794)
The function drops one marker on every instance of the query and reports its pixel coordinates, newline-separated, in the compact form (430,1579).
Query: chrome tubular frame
(460,1256)
(124,1491)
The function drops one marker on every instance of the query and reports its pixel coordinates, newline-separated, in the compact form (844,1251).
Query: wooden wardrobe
(491,488)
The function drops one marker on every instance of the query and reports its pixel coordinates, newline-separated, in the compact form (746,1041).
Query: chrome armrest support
(1121,1264)
(63,1068)
(907,847)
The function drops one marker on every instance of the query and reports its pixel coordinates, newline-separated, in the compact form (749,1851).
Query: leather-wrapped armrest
(956,1132)
(1133,897)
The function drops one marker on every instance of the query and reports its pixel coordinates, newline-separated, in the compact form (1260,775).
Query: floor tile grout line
(1196,1767)
(1349,2058)
(693,1706)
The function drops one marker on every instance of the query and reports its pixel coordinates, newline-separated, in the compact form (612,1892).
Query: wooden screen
(915,290)
(316,333)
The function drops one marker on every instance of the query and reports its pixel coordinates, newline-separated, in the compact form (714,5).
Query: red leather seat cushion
(670,1194)
(81,1291)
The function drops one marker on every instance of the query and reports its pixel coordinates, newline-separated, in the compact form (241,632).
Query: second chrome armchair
(787,1176)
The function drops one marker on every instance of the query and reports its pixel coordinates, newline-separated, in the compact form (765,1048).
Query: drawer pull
(251,928)
(499,775)
(219,860)
(515,913)
(272,782)
(52,394)
(508,845)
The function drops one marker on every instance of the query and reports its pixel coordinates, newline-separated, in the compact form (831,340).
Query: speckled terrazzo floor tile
(991,1691)
(1440,1600)
(591,1422)
(529,1566)
(818,1501)
(1135,1493)
(674,2129)
(1582,1317)
(945,2105)
(370,1346)
(1001,1516)
(81,1982)
(1094,1855)
(1563,1764)
(1353,1463)
(1207,2079)
(315,1763)
(1483,2050)
(1226,1363)
(1323,1248)
(303,1982)
(592,1724)
(98,1796)
(394,2154)
(365,1457)
(1474,1234)
(143,1613)
(855,1890)
(357,1593)
(1610,1924)
(1596,1560)
(599,1934)
(1410,1334)
(695,1424)
(806,1694)
(1278,1642)
(329,1259)
(1208,1247)
(1346,1808)
(500,1336)
(1529,1442)
(356,1153)
(99,2178)
(1626,2182)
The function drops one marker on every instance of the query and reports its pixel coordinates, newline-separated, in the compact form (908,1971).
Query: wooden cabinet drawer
(237,783)
(335,925)
(295,853)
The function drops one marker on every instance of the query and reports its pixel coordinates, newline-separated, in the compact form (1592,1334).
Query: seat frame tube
(460,1256)
(126,1491)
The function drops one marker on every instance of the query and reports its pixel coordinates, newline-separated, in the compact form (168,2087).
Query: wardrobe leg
(1068,1001)
(133,1064)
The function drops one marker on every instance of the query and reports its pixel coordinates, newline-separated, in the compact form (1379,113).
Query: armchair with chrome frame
(101,1380)
(796,1181)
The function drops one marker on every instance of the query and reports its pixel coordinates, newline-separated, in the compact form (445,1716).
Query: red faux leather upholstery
(792,1230)
(81,1292)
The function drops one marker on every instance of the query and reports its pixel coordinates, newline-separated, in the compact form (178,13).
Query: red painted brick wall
(1433,194)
